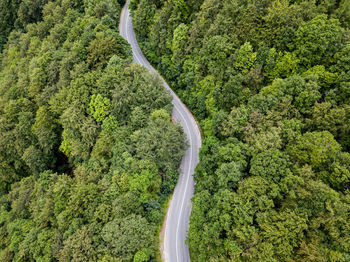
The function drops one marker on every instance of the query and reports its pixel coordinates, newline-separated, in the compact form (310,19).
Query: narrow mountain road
(177,219)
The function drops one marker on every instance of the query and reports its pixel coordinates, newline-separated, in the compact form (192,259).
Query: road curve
(177,219)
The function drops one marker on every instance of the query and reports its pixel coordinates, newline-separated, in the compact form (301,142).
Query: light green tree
(99,107)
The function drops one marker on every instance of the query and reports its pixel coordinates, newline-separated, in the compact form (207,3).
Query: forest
(89,154)
(269,83)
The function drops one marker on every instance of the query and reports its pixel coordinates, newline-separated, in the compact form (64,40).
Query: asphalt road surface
(177,219)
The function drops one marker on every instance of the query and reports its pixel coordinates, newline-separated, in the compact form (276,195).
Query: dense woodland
(269,82)
(17,14)
(88,152)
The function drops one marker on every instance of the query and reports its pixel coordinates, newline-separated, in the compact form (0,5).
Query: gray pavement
(177,219)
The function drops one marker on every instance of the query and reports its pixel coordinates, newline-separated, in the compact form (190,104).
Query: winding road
(177,218)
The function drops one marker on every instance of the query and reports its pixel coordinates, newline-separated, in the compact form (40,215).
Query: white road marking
(188,176)
(143,61)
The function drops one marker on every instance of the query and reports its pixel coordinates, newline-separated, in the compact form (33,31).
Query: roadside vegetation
(88,151)
(269,82)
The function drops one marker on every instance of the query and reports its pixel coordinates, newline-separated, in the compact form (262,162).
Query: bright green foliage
(142,255)
(325,78)
(282,230)
(325,116)
(160,114)
(146,185)
(215,53)
(269,84)
(109,124)
(317,40)
(323,153)
(81,178)
(245,58)
(285,65)
(99,107)
(315,148)
(179,43)
(306,99)
(282,21)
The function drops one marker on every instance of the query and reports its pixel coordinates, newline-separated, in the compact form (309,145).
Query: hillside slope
(269,82)
(88,151)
